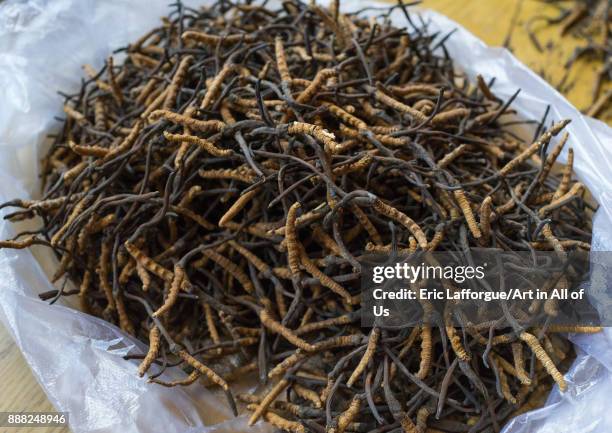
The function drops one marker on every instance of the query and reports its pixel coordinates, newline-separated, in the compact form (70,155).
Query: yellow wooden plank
(19,390)
(491,21)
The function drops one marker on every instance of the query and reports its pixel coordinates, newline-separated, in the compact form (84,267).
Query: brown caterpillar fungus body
(213,195)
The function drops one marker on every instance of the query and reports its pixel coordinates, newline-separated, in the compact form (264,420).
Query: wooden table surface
(19,390)
(495,21)
(491,21)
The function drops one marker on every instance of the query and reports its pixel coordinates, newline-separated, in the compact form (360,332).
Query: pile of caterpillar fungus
(213,194)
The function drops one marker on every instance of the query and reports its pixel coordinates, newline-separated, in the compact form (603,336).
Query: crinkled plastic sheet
(78,359)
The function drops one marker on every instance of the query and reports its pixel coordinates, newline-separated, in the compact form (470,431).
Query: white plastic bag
(78,359)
